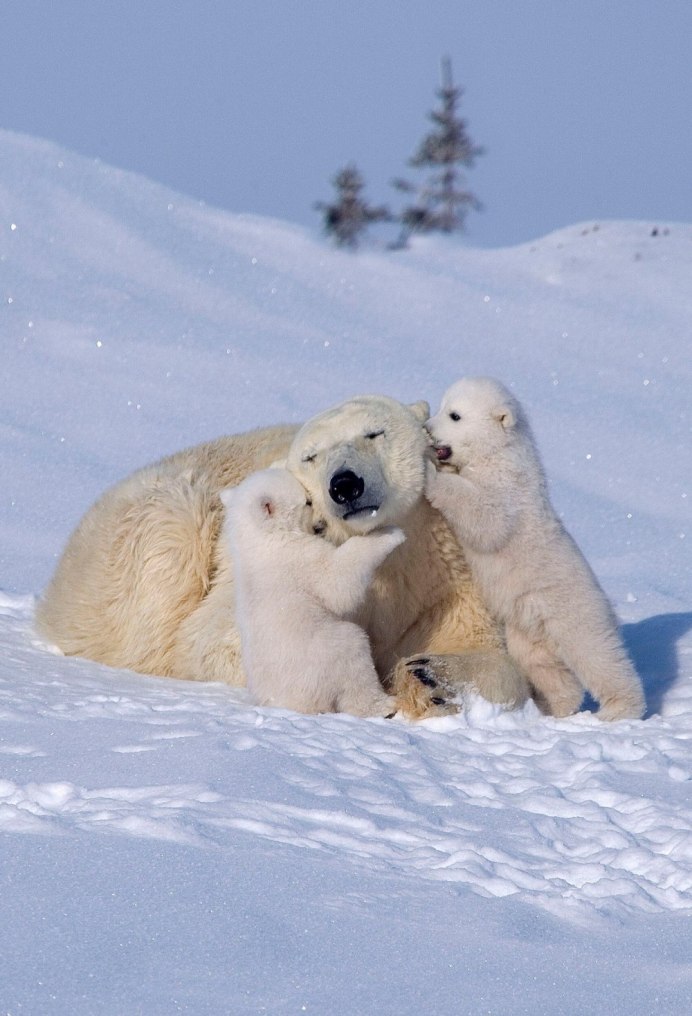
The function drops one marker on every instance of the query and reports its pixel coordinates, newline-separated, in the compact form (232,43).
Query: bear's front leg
(435,685)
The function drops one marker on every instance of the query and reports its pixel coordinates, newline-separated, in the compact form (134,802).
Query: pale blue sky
(584,106)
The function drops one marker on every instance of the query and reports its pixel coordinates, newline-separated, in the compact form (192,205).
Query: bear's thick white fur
(560,628)
(294,595)
(145,582)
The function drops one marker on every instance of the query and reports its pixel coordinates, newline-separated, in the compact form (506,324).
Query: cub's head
(271,500)
(362,464)
(478,416)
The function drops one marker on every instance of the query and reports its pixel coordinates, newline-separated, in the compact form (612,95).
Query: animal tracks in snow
(565,814)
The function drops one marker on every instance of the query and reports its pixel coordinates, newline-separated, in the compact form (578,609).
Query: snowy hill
(170,848)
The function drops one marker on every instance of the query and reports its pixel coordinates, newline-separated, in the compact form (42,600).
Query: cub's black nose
(346,487)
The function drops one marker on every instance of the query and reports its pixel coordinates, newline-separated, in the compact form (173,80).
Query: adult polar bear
(145,582)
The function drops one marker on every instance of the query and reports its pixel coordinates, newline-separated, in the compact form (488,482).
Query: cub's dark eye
(309,458)
(308,504)
(455,417)
(373,434)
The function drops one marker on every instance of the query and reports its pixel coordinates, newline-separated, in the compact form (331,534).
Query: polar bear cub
(295,593)
(560,628)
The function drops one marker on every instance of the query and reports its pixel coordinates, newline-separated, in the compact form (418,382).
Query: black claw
(437,701)
(424,677)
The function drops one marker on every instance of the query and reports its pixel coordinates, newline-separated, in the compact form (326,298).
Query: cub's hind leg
(558,691)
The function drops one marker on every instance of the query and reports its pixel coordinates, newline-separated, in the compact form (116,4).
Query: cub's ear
(265,505)
(421,410)
(262,505)
(505,416)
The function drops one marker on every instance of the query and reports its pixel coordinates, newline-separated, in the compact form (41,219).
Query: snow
(168,847)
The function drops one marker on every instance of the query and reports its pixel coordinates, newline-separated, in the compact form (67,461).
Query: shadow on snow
(652,645)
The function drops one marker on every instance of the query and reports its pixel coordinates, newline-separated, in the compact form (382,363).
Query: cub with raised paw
(559,626)
(295,596)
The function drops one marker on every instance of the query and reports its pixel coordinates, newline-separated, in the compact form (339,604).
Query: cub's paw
(420,690)
(367,704)
(622,707)
(388,537)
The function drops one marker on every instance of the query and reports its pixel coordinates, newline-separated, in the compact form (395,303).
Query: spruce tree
(443,202)
(349,216)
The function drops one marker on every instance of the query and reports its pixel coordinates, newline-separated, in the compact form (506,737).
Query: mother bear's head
(362,463)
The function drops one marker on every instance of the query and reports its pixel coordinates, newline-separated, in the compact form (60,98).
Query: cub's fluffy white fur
(560,628)
(295,593)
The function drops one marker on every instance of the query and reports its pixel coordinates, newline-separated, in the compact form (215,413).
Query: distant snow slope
(168,847)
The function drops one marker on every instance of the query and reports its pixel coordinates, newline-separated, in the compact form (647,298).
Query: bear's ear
(504,414)
(421,410)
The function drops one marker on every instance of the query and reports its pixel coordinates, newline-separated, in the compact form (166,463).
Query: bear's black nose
(346,487)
